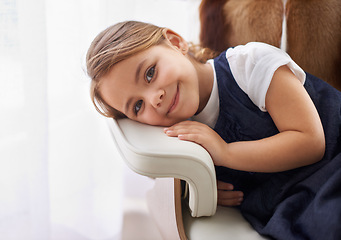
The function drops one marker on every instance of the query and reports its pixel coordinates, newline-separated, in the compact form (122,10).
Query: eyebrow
(137,74)
(128,105)
(138,70)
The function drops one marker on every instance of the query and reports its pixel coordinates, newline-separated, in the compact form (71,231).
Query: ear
(175,40)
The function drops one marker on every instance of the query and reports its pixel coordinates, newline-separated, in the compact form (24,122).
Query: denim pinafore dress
(304,203)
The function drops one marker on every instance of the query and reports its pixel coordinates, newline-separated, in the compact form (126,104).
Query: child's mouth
(174,101)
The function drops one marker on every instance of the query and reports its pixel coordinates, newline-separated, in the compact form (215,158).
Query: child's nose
(157,98)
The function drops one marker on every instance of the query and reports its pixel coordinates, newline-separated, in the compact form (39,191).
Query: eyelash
(150,70)
(138,105)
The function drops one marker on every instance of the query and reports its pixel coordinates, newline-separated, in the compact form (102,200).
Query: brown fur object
(249,19)
(212,28)
(313,30)
(314,37)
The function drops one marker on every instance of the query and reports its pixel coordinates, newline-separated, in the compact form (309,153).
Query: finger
(185,124)
(188,133)
(230,198)
(230,194)
(224,186)
(192,137)
(181,131)
(178,129)
(229,202)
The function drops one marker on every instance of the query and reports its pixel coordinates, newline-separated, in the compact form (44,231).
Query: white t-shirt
(253,66)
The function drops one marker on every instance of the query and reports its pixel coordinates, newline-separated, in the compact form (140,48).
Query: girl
(273,131)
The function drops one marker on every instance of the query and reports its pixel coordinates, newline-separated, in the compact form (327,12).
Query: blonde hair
(119,42)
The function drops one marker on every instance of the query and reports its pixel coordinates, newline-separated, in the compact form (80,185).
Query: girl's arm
(300,141)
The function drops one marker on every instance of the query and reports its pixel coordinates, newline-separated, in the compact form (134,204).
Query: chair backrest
(148,151)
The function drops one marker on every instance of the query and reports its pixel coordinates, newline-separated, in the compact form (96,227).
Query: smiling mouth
(174,101)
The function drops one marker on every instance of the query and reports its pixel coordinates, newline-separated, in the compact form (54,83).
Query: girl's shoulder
(255,50)
(253,65)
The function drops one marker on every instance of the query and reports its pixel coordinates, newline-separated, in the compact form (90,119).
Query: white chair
(148,151)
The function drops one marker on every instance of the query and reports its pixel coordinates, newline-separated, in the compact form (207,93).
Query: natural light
(60,175)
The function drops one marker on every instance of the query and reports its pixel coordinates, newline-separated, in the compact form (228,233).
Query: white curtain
(60,174)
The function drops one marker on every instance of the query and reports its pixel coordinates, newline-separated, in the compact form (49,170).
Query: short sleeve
(253,66)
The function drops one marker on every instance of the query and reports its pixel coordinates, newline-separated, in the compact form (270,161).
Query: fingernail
(168,132)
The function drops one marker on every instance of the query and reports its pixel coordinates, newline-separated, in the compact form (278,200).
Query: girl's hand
(226,195)
(215,145)
(201,134)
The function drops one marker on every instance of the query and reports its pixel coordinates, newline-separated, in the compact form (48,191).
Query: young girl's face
(158,86)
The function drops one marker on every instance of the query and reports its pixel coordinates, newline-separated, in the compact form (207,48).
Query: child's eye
(138,106)
(150,74)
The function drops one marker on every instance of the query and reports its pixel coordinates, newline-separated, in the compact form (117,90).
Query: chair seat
(227,223)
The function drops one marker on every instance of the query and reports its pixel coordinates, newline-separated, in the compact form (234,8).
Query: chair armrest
(148,151)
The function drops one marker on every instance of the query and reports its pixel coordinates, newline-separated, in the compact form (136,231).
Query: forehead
(131,64)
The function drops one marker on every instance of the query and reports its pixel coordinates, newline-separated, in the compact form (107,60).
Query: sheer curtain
(60,174)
